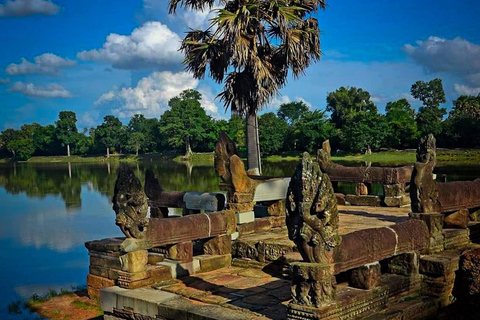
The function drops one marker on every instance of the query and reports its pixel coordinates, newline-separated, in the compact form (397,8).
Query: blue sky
(120,57)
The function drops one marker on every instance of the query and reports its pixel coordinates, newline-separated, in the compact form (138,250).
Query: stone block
(277,208)
(180,270)
(434,221)
(366,200)
(469,278)
(366,277)
(108,245)
(104,260)
(246,228)
(277,221)
(154,258)
(261,224)
(458,219)
(439,264)
(99,282)
(108,298)
(394,190)
(398,201)
(210,263)
(218,246)
(438,286)
(241,197)
(234,235)
(340,198)
(135,261)
(204,201)
(104,272)
(405,264)
(475,216)
(242,249)
(456,238)
(245,217)
(182,251)
(274,189)
(241,207)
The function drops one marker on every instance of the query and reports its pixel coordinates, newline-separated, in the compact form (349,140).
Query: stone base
(456,238)
(353,303)
(366,200)
(397,201)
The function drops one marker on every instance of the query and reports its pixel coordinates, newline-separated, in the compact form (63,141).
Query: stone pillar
(404,264)
(434,222)
(313,284)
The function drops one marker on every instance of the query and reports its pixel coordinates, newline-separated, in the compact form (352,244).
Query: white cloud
(466,90)
(22,8)
(197,19)
(47,63)
(87,119)
(152,45)
(150,96)
(278,100)
(4,81)
(458,56)
(52,90)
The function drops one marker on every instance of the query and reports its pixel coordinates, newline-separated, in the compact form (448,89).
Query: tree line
(354,125)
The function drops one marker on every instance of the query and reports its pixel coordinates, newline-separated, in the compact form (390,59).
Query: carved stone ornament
(312,214)
(130,204)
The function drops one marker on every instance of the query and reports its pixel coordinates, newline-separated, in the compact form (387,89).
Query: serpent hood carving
(130,204)
(312,214)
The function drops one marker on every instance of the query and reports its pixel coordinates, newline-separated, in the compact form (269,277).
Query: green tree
(430,115)
(45,140)
(311,129)
(6,137)
(236,130)
(292,111)
(345,103)
(365,131)
(66,128)
(136,141)
(250,47)
(186,124)
(148,127)
(466,106)
(109,133)
(19,142)
(460,129)
(401,121)
(271,133)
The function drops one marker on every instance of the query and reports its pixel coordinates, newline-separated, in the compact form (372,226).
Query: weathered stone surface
(361,189)
(160,200)
(404,264)
(130,204)
(104,261)
(439,264)
(277,208)
(340,198)
(104,272)
(224,149)
(220,245)
(181,269)
(312,214)
(366,277)
(469,278)
(394,190)
(154,258)
(95,283)
(134,261)
(209,202)
(182,251)
(397,201)
(272,189)
(367,200)
(108,246)
(246,228)
(475,216)
(313,284)
(458,219)
(241,207)
(262,224)
(210,263)
(434,221)
(456,238)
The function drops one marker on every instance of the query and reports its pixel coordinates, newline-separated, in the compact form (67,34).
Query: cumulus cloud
(152,45)
(466,90)
(150,96)
(47,63)
(458,57)
(23,8)
(51,90)
(277,101)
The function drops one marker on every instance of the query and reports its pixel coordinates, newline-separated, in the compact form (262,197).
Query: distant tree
(345,103)
(6,137)
(186,124)
(430,115)
(66,129)
(148,127)
(365,131)
(136,141)
(292,111)
(236,130)
(311,129)
(271,133)
(460,129)
(45,141)
(466,106)
(19,142)
(109,133)
(401,121)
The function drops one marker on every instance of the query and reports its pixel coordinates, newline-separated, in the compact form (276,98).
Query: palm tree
(250,47)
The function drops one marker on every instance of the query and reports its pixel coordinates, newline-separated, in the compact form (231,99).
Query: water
(48,212)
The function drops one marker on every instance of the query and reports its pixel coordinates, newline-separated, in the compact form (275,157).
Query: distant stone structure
(393,180)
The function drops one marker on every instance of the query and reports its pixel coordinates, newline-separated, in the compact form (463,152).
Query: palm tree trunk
(253,147)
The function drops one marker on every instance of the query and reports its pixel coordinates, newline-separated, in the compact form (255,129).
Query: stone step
(408,308)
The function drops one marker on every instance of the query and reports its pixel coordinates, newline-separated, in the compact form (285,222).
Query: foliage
(110,132)
(186,123)
(346,103)
(401,121)
(466,106)
(292,111)
(430,115)
(236,130)
(271,133)
(66,127)
(365,131)
(310,130)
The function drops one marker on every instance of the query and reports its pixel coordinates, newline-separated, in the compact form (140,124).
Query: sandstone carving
(312,214)
(130,204)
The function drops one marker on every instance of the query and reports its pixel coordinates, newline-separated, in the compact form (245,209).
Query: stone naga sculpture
(312,214)
(130,204)
(429,196)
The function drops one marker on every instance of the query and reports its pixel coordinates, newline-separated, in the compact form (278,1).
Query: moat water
(48,212)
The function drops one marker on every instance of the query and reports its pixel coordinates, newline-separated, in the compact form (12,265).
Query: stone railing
(395,181)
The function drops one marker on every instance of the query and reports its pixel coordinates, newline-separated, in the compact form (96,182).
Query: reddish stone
(457,219)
